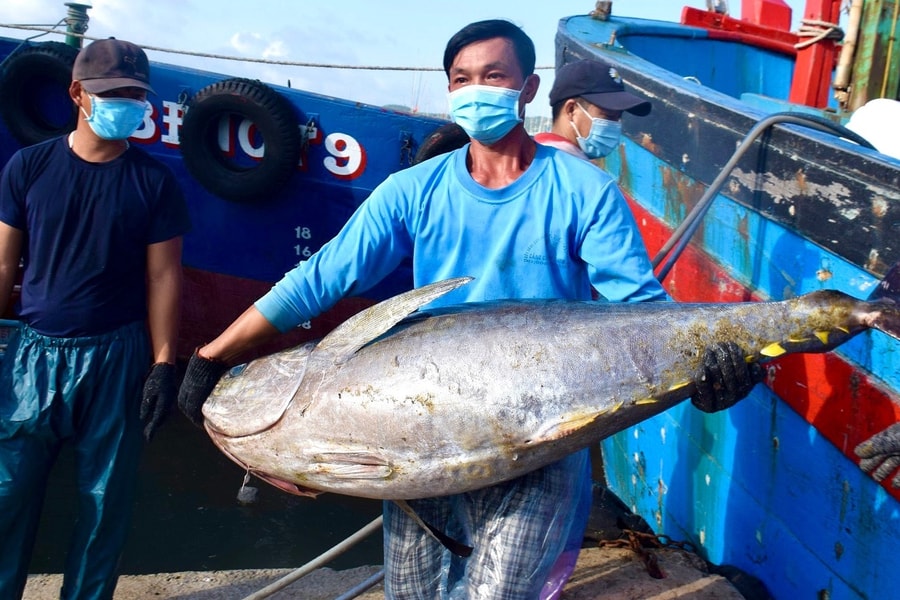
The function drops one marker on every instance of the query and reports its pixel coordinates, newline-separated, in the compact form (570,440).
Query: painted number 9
(348,158)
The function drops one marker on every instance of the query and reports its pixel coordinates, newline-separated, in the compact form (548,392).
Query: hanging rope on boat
(682,235)
(817,31)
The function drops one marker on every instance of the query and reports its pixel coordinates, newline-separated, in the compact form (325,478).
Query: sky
(394,33)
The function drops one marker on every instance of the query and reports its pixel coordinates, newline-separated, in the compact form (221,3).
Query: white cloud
(276,49)
(245,43)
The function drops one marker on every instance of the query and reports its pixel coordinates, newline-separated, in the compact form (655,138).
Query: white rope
(817,31)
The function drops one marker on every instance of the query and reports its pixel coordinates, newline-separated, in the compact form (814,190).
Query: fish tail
(886,297)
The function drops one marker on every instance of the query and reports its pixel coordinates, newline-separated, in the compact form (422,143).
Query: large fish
(398,403)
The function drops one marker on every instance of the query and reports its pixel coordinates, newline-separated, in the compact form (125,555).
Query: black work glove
(159,395)
(725,377)
(880,454)
(200,378)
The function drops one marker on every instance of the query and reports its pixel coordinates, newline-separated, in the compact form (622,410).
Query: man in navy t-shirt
(97,226)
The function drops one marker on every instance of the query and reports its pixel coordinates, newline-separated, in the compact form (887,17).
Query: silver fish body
(457,399)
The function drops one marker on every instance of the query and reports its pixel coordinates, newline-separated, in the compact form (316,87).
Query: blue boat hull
(770,486)
(238,247)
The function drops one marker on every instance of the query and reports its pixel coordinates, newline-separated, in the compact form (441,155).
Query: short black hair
(486,30)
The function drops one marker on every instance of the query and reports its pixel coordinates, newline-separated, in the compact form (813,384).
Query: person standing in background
(98,226)
(587,101)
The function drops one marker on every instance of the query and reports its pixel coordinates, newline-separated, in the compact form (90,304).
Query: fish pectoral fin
(352,465)
(287,486)
(365,326)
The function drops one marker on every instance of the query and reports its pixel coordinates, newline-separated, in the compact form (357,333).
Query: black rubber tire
(275,119)
(35,102)
(443,139)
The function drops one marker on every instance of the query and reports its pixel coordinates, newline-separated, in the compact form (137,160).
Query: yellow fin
(775,349)
(555,431)
(647,401)
(578,422)
(823,336)
(678,386)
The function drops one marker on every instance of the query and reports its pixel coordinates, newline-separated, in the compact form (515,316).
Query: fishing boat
(745,181)
(750,181)
(270,173)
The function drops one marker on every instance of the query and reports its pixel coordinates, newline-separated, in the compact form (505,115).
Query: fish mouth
(290,487)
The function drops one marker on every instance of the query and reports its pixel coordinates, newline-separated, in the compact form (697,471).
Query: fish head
(224,443)
(253,397)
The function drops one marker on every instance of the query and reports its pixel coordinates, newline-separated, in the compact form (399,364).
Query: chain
(638,541)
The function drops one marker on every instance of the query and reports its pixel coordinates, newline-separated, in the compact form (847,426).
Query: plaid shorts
(517,529)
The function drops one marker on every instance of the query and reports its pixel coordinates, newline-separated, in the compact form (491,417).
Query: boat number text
(345,159)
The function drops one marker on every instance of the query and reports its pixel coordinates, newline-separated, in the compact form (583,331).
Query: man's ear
(530,89)
(569,108)
(75,92)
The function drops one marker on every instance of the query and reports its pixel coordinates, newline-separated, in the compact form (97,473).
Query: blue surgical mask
(485,112)
(115,118)
(603,137)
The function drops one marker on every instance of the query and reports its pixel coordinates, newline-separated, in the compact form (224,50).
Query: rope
(266,61)
(817,31)
(637,541)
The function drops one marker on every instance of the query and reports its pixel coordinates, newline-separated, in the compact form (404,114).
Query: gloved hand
(880,454)
(200,378)
(159,395)
(725,378)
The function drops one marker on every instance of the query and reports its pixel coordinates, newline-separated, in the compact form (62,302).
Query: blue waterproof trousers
(84,391)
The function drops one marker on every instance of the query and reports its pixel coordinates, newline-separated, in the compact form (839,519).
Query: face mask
(603,137)
(485,112)
(115,118)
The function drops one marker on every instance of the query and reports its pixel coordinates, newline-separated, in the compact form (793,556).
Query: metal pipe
(682,235)
(844,70)
(362,587)
(317,562)
(76,23)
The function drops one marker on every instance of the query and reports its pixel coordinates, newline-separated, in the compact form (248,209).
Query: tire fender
(445,138)
(273,116)
(35,103)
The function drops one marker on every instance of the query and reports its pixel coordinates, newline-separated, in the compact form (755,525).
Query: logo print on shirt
(538,252)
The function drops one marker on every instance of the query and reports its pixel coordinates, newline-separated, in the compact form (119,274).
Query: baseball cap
(597,82)
(109,64)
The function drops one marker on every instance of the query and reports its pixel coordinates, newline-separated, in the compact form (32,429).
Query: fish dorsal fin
(360,329)
(365,326)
